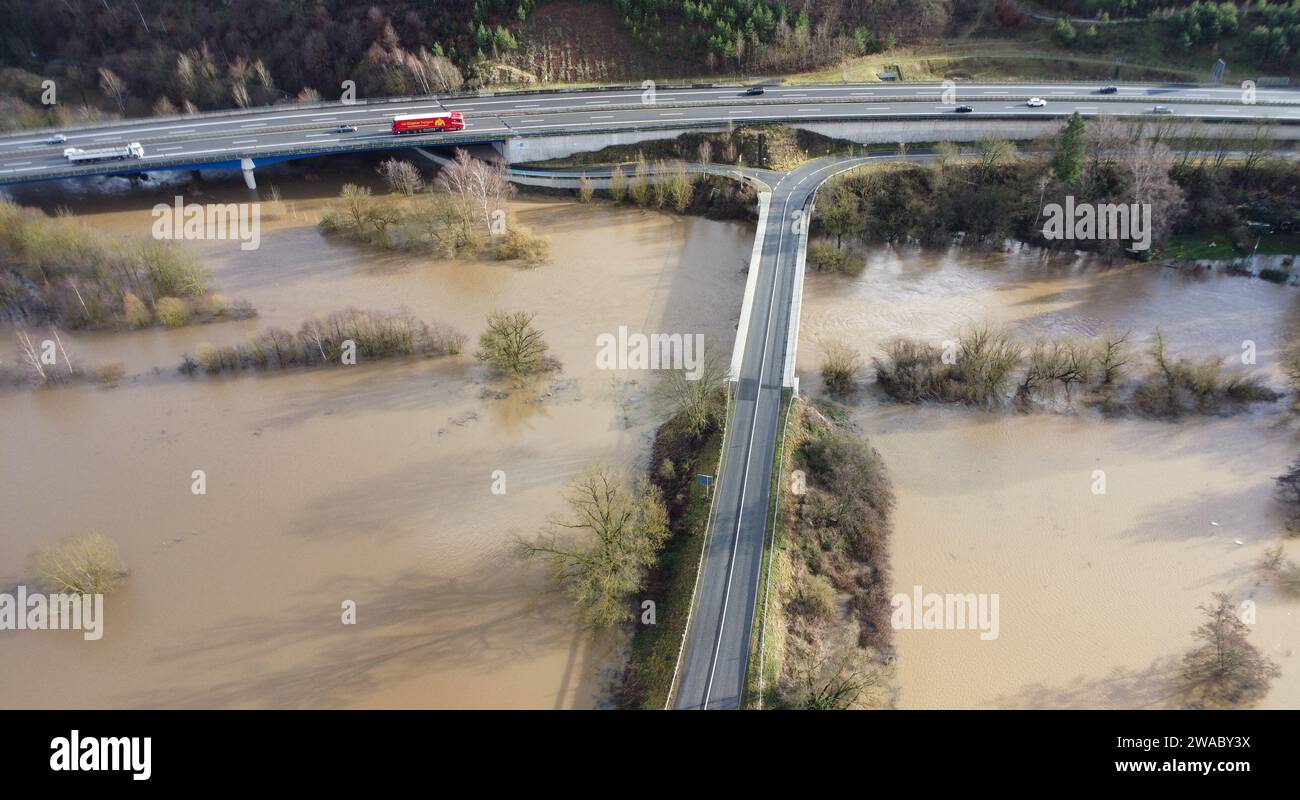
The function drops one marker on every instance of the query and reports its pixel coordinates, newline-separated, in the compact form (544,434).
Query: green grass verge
(1217,245)
(654,648)
(764,657)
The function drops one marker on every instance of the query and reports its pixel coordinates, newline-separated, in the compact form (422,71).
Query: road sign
(705,480)
(1216,74)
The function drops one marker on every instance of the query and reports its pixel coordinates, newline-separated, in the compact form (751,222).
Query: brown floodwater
(1098,593)
(369,483)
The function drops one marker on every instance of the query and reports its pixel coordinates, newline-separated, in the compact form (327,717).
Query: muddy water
(370,484)
(1098,593)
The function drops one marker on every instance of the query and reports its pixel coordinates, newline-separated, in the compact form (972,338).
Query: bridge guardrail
(183,161)
(379,101)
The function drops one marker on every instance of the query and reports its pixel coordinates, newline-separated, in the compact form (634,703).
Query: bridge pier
(246,164)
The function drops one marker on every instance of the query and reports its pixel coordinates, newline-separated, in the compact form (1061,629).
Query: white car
(57,138)
(1036,102)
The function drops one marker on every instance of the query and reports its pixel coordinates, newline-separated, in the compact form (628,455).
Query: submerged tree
(87,564)
(601,550)
(512,345)
(1226,670)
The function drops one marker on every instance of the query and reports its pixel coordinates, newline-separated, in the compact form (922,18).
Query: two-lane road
(716,655)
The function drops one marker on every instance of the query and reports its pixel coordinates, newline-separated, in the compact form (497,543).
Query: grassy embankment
(671,584)
(827,640)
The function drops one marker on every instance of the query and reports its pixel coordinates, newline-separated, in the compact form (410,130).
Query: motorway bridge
(715,652)
(523,125)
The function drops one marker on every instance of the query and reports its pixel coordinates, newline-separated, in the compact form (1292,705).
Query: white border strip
(751,285)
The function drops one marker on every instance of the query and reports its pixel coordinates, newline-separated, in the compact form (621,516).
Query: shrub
(86,564)
(135,312)
(110,374)
(171,272)
(322,340)
(826,257)
(840,368)
(818,597)
(521,245)
(213,305)
(173,312)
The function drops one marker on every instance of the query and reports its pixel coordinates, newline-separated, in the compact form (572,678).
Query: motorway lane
(716,656)
(165,144)
(263,132)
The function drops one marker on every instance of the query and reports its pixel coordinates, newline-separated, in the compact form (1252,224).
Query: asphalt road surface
(284,130)
(712,672)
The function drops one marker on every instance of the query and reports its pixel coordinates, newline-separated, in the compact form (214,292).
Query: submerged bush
(521,245)
(981,366)
(325,340)
(87,564)
(840,367)
(826,257)
(173,312)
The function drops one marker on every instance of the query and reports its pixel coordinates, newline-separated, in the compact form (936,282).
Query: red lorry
(429,123)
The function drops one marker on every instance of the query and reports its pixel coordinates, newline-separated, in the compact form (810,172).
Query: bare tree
(1226,670)
(30,356)
(836,685)
(704,152)
(114,87)
(432,73)
(482,188)
(602,549)
(512,345)
(401,176)
(699,402)
(1147,164)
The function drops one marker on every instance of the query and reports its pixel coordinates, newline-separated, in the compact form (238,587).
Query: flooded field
(369,483)
(1098,593)
(372,483)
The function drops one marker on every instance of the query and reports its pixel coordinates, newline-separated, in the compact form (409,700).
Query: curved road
(716,652)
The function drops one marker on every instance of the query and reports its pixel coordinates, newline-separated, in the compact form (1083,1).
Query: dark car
(754,90)
(1108,90)
(964,109)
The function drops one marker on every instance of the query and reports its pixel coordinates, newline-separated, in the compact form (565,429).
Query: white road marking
(244,141)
